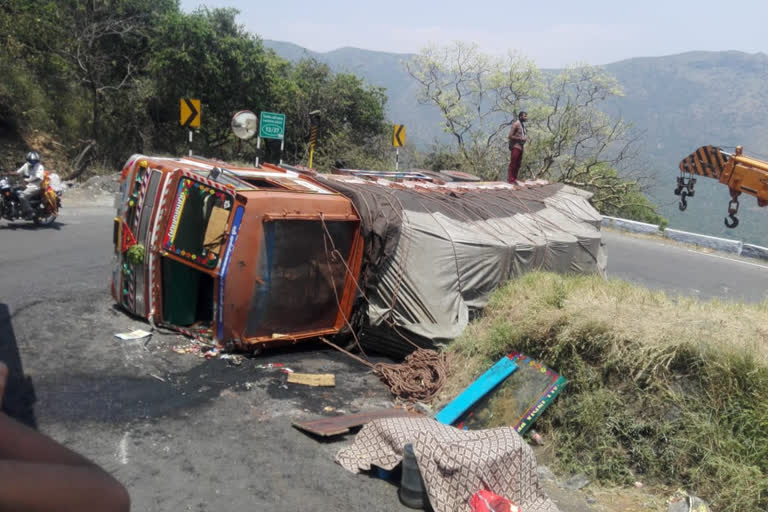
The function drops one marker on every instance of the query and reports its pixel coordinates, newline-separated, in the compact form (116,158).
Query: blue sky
(554,33)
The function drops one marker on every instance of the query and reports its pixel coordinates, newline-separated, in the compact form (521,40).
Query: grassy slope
(668,390)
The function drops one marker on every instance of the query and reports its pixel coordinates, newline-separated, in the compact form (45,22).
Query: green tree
(440,157)
(86,59)
(108,75)
(32,68)
(350,125)
(570,139)
(207,55)
(477,96)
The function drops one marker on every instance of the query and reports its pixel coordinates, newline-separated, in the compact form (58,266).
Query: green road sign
(272,125)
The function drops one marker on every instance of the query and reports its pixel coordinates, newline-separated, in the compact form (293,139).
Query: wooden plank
(486,382)
(336,425)
(312,379)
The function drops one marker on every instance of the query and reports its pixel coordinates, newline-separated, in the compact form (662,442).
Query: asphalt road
(681,270)
(182,433)
(186,434)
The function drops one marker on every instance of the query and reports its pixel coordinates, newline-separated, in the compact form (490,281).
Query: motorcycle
(45,205)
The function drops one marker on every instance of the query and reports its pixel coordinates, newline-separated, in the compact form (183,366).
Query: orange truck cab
(246,256)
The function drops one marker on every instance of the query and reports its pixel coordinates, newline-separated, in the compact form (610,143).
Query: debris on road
(233,359)
(189,349)
(337,425)
(486,501)
(479,388)
(681,501)
(424,409)
(536,438)
(313,379)
(273,366)
(523,397)
(453,463)
(133,335)
(411,493)
(577,481)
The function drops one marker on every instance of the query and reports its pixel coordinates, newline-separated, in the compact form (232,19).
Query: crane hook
(733,209)
(683,203)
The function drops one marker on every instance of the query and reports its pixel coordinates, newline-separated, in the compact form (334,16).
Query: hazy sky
(552,32)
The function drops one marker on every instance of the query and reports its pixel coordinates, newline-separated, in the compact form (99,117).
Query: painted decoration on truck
(198,223)
(224,267)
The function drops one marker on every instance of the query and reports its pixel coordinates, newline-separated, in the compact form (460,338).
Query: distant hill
(681,102)
(677,102)
(384,70)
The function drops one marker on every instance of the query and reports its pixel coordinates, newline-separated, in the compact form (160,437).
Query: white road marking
(122,449)
(727,258)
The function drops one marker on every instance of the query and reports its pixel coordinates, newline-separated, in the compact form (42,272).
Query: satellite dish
(244,124)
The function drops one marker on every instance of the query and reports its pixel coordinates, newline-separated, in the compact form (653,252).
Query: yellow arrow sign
(190,113)
(398,136)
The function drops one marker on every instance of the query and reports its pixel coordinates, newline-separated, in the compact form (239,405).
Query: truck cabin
(247,256)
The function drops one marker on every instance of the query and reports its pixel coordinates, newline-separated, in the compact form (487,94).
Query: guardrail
(719,244)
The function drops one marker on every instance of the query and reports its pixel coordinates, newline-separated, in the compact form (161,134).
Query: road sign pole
(312,139)
(282,146)
(398,139)
(190,142)
(258,148)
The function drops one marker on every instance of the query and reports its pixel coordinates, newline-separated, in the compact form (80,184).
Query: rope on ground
(417,379)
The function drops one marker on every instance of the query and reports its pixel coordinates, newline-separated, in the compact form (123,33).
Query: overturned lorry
(252,257)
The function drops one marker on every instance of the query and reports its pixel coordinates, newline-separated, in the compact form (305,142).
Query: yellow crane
(740,173)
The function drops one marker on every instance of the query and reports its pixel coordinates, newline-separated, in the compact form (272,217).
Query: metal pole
(190,142)
(312,138)
(397,159)
(258,147)
(282,146)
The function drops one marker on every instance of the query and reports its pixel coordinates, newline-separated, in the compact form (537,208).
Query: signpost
(398,140)
(271,126)
(189,116)
(314,120)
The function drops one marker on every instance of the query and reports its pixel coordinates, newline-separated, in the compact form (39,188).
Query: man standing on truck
(517,139)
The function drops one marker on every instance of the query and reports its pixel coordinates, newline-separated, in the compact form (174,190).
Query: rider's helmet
(33,158)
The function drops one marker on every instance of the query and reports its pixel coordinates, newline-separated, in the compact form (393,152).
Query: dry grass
(662,388)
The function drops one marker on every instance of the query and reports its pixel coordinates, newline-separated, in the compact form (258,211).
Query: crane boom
(740,173)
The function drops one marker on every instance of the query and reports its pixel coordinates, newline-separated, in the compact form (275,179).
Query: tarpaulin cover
(434,254)
(453,463)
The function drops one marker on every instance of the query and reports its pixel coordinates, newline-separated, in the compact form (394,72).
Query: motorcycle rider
(33,172)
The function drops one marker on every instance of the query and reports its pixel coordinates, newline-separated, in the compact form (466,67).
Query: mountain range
(676,103)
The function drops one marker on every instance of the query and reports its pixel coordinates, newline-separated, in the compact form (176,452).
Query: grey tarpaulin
(435,253)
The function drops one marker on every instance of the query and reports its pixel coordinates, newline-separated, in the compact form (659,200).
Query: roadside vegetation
(90,82)
(661,389)
(571,139)
(98,80)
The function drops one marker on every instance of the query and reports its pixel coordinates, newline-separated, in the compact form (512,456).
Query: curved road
(680,270)
(186,434)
